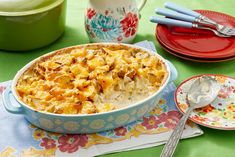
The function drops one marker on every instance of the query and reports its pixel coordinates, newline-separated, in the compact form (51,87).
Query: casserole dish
(86,123)
(31,29)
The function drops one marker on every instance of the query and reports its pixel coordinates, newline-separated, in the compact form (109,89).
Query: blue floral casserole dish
(85,123)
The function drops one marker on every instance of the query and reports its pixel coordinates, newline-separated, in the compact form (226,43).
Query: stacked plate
(198,45)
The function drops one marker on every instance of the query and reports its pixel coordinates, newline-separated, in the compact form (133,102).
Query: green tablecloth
(214,143)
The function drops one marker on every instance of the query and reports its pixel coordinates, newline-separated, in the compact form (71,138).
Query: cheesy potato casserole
(91,79)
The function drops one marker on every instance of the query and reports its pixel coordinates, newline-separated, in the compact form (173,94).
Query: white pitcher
(112,20)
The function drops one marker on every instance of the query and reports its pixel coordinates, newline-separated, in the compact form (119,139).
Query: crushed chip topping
(91,79)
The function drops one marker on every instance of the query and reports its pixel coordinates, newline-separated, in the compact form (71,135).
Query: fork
(199,18)
(172,22)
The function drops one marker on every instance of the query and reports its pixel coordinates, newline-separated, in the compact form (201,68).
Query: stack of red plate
(198,45)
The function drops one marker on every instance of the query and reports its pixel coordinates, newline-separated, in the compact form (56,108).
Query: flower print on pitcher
(112,20)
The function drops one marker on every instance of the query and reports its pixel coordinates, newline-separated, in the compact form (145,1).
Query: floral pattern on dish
(161,119)
(220,114)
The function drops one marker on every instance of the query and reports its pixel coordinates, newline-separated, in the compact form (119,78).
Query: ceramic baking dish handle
(7,102)
(174,73)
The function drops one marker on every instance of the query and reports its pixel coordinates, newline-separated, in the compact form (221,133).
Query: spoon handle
(172,142)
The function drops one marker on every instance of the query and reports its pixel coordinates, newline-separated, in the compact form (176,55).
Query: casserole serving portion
(89,88)
(91,79)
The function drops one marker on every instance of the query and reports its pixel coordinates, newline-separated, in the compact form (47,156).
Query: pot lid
(23,5)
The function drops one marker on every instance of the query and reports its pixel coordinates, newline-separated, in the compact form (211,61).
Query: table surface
(214,143)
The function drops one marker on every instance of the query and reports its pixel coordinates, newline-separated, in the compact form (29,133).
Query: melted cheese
(91,80)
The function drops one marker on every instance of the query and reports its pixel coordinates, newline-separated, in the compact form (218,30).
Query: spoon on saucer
(202,92)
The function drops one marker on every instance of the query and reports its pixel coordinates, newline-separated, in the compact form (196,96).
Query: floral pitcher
(112,20)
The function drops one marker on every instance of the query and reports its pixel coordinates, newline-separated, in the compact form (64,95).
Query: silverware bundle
(180,16)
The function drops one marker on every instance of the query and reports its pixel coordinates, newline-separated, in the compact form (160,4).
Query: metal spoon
(201,93)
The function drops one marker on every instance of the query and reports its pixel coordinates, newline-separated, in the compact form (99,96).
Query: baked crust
(91,79)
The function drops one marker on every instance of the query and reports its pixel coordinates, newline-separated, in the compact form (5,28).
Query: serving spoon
(201,93)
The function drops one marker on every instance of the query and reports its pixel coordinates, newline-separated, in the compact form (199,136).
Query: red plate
(198,43)
(195,59)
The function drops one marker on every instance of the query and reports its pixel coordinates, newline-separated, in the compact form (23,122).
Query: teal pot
(84,123)
(27,30)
